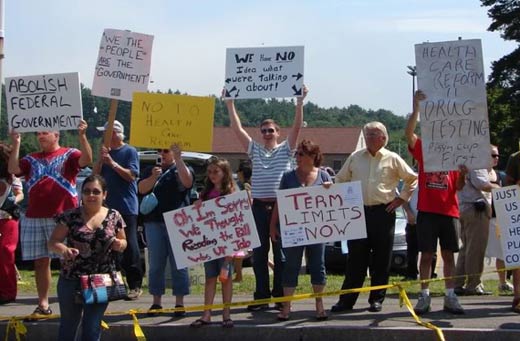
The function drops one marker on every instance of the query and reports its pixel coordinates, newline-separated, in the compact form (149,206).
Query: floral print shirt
(95,254)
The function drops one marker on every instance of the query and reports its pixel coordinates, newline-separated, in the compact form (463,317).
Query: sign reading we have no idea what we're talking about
(264,72)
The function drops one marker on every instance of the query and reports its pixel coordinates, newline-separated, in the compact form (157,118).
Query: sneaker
(423,304)
(452,305)
(134,294)
(506,288)
(39,314)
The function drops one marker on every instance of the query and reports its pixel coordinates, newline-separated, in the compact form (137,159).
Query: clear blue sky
(356,51)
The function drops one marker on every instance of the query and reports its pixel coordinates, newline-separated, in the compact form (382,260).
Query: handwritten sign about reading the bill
(44,102)
(454,118)
(123,64)
(217,228)
(312,215)
(158,120)
(507,208)
(264,72)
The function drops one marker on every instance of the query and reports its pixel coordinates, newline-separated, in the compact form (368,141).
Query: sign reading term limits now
(264,72)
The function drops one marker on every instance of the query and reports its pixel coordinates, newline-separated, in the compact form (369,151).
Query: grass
(247,286)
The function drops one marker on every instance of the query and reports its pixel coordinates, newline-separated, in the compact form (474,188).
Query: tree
(504,81)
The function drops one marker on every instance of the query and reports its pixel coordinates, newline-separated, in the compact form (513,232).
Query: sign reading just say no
(158,120)
(264,72)
(454,118)
(44,102)
(123,64)
(215,229)
(312,215)
(507,207)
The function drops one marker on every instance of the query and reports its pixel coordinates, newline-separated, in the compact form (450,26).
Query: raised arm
(236,125)
(13,165)
(86,151)
(298,120)
(411,138)
(184,172)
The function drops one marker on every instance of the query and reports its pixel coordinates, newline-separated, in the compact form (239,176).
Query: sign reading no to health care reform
(43,102)
(312,215)
(264,72)
(454,118)
(507,207)
(158,120)
(215,229)
(123,64)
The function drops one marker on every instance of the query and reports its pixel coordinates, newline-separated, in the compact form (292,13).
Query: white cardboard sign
(123,64)
(218,228)
(43,102)
(454,117)
(507,208)
(312,215)
(264,72)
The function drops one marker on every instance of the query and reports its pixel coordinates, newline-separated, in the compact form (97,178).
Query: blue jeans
(262,213)
(159,250)
(315,264)
(72,313)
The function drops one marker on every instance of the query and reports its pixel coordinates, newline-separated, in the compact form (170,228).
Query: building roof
(341,140)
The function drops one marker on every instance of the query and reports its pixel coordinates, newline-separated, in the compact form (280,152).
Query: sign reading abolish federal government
(43,102)
(507,207)
(454,118)
(123,64)
(215,229)
(312,215)
(264,72)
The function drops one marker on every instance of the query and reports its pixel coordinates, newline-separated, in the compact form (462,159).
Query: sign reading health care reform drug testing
(312,215)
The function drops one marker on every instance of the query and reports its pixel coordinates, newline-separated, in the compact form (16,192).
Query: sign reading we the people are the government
(215,229)
(454,117)
(507,208)
(264,72)
(158,120)
(123,64)
(43,102)
(312,215)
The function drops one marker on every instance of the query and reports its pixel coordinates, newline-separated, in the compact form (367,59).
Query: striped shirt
(268,168)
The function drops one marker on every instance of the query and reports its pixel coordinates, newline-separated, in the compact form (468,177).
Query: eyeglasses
(496,156)
(159,151)
(267,130)
(94,191)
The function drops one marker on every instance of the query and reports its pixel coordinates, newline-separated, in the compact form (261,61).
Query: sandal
(154,307)
(227,323)
(283,318)
(199,323)
(179,313)
(321,316)
(516,305)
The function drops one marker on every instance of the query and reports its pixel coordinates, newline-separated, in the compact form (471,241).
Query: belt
(374,207)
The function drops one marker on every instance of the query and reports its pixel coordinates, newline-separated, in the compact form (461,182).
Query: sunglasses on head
(94,191)
(267,130)
(163,151)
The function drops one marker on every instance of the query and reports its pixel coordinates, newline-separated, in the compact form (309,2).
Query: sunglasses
(495,156)
(94,191)
(267,130)
(159,151)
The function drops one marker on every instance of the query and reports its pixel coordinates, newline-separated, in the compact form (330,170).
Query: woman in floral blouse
(93,232)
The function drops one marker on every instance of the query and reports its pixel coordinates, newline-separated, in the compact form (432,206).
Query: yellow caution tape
(18,327)
(138,332)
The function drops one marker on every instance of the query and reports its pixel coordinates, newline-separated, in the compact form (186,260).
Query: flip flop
(283,318)
(199,323)
(322,316)
(227,323)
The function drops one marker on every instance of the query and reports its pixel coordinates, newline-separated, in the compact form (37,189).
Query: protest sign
(454,118)
(507,208)
(312,215)
(43,102)
(158,120)
(264,72)
(218,228)
(123,64)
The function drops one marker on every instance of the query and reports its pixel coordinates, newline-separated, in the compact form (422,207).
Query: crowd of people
(99,232)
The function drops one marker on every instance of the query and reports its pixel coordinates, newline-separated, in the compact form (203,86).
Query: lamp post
(412,71)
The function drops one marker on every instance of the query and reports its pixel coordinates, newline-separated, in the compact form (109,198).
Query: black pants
(375,252)
(131,261)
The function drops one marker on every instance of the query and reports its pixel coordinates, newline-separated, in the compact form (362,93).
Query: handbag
(150,202)
(102,288)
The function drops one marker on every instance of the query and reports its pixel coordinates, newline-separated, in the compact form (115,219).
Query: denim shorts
(212,268)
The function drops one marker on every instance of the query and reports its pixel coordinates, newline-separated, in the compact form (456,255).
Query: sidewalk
(486,318)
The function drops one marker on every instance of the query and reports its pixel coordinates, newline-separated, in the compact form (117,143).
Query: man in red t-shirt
(50,179)
(437,218)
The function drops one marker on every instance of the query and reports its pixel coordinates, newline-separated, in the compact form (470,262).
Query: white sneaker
(452,305)
(423,304)
(506,288)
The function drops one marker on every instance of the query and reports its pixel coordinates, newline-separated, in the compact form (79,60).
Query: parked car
(335,260)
